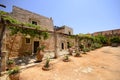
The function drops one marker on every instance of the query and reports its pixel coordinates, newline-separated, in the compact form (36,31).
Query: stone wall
(65,29)
(115,32)
(64,39)
(26,16)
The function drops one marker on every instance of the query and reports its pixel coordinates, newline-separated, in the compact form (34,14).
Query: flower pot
(10,66)
(77,55)
(14,76)
(46,68)
(66,60)
(70,51)
(39,56)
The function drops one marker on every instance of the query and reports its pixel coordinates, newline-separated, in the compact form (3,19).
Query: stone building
(108,33)
(19,44)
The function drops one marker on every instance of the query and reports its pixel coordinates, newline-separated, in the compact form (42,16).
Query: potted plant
(10,64)
(47,66)
(40,54)
(14,73)
(77,54)
(66,58)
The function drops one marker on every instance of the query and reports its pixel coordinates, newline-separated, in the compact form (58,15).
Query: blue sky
(84,16)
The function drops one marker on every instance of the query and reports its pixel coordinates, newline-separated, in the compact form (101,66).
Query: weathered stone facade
(27,17)
(108,33)
(18,44)
(64,29)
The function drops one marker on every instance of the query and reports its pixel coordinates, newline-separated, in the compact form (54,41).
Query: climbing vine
(33,30)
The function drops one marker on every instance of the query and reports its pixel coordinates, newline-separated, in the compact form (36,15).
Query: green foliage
(66,57)
(45,35)
(11,20)
(96,45)
(10,62)
(85,49)
(3,13)
(70,45)
(32,25)
(14,71)
(25,31)
(115,40)
(47,63)
(42,47)
(71,36)
(100,39)
(77,53)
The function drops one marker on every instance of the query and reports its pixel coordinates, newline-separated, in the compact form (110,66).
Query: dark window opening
(27,40)
(62,46)
(69,33)
(34,22)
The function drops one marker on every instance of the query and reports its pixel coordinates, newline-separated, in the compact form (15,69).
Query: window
(69,33)
(62,45)
(27,40)
(34,22)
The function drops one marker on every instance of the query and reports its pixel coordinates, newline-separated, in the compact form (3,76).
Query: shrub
(96,45)
(14,71)
(115,40)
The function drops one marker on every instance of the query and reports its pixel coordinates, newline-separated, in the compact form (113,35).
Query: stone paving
(31,63)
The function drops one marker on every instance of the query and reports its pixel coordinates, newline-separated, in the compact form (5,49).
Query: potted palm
(40,54)
(47,66)
(14,73)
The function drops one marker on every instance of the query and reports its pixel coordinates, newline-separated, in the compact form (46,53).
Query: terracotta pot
(66,60)
(70,51)
(14,76)
(46,68)
(10,66)
(77,55)
(39,56)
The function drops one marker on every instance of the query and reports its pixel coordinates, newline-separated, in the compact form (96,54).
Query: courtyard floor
(100,64)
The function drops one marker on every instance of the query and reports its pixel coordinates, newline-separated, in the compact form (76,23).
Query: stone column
(4,60)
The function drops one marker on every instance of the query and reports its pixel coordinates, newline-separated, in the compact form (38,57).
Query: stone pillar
(4,60)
